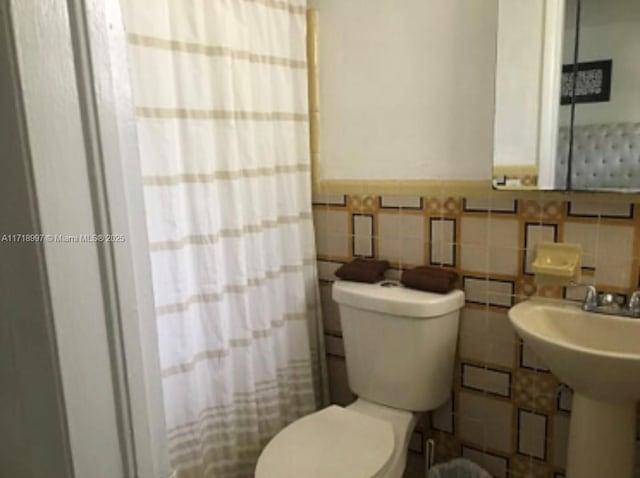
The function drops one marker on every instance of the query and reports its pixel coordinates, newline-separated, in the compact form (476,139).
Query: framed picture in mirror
(591,85)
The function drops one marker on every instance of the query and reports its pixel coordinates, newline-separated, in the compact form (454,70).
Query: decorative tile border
(401,202)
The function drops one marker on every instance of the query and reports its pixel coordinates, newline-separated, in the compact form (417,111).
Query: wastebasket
(458,468)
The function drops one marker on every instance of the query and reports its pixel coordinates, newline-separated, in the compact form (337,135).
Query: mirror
(574,122)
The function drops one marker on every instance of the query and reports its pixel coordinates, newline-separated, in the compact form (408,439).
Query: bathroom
(183,181)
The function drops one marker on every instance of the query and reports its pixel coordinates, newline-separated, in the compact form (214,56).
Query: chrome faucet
(607,303)
(634,304)
(590,302)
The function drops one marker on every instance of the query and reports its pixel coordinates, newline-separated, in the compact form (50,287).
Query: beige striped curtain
(220,88)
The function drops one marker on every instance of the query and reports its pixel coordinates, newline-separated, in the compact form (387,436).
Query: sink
(599,357)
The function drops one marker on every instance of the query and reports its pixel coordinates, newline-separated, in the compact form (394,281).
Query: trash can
(458,468)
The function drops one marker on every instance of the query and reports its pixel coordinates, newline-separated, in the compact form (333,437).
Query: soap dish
(558,260)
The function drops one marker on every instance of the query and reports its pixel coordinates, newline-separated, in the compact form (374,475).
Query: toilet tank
(399,343)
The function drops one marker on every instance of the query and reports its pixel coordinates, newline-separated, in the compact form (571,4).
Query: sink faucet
(607,303)
(634,304)
(590,302)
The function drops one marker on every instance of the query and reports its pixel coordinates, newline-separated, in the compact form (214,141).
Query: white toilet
(400,349)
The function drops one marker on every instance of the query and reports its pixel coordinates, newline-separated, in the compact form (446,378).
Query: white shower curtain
(220,88)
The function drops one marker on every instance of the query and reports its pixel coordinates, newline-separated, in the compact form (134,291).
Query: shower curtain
(220,89)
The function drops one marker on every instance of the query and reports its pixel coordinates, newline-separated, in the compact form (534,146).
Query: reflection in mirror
(565,116)
(605,152)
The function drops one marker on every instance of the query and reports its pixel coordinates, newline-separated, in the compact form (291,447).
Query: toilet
(400,349)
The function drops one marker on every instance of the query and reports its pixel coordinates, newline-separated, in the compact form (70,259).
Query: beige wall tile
(332,232)
(534,235)
(486,380)
(474,231)
(585,234)
(532,429)
(363,235)
(411,202)
(474,258)
(560,440)
(503,232)
(593,208)
(486,336)
(330,199)
(401,238)
(327,269)
(442,418)
(330,311)
(338,384)
(485,421)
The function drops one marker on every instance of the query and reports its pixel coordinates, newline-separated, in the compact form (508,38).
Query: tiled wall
(507,412)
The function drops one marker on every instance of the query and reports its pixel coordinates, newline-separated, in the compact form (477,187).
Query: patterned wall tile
(594,209)
(338,384)
(485,420)
(494,292)
(442,419)
(522,467)
(529,359)
(330,312)
(486,336)
(327,269)
(332,233)
(442,241)
(560,440)
(565,398)
(401,202)
(585,234)
(481,379)
(447,446)
(362,235)
(504,394)
(495,204)
(495,464)
(532,433)
(534,234)
(339,200)
(443,206)
(362,203)
(534,391)
(401,238)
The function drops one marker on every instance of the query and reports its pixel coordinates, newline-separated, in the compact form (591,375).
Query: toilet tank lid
(391,297)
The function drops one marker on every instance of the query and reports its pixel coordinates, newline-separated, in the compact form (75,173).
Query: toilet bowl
(399,350)
(361,440)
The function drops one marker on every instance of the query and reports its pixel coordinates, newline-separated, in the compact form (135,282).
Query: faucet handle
(634,303)
(591,299)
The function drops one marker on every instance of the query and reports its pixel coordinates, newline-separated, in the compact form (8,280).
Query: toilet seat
(335,442)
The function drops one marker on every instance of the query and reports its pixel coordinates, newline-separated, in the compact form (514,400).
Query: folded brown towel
(430,279)
(363,270)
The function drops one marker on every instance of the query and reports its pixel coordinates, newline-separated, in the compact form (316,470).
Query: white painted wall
(406,88)
(33,435)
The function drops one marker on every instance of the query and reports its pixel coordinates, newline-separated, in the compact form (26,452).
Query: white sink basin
(599,357)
